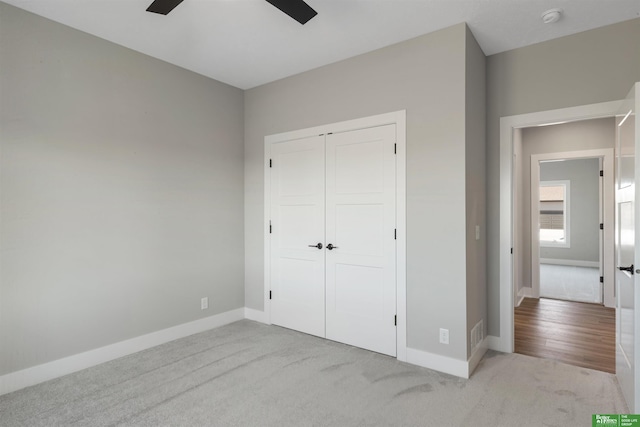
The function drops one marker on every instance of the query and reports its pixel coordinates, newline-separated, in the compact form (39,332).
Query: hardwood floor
(576,333)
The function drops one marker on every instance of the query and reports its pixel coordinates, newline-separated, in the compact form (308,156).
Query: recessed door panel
(295,223)
(356,230)
(366,178)
(359,291)
(294,286)
(626,148)
(295,169)
(625,280)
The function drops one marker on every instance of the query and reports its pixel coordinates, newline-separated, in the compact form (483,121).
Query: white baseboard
(255,315)
(437,362)
(498,344)
(571,262)
(47,371)
(524,292)
(448,365)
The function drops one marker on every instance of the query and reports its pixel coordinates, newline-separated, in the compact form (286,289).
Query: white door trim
(607,208)
(399,119)
(507,125)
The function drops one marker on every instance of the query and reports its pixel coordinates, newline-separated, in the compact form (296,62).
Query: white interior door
(627,220)
(360,233)
(297,226)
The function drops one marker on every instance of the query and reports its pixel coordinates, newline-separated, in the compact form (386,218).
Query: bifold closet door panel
(297,227)
(360,224)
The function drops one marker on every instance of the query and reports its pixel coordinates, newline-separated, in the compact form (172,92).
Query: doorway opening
(569,270)
(510,130)
(562,250)
(569,245)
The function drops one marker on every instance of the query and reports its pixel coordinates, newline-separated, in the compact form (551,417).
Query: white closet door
(360,223)
(297,220)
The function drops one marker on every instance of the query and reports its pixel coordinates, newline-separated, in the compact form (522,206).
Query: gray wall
(584,208)
(121,193)
(426,76)
(476,253)
(590,67)
(575,136)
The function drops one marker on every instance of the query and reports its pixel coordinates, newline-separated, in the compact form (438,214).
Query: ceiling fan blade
(163,6)
(297,9)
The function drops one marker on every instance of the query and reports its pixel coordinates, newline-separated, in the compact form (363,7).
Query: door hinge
(270,163)
(511,251)
(270,229)
(395,234)
(395,320)
(395,148)
(601,226)
(601,279)
(269,294)
(601,173)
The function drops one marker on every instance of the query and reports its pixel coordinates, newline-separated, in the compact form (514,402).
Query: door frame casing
(505,341)
(606,206)
(399,119)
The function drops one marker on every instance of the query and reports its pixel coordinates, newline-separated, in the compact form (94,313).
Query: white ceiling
(246,43)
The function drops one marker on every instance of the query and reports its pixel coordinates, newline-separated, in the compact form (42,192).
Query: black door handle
(627,269)
(319,246)
(330,246)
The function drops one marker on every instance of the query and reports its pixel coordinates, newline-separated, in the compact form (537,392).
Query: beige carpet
(249,374)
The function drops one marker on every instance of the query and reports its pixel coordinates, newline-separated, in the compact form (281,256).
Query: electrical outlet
(444,336)
(204,303)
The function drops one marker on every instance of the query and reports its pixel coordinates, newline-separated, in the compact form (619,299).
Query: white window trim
(566,213)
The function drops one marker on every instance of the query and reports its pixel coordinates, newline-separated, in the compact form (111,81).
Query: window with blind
(554,215)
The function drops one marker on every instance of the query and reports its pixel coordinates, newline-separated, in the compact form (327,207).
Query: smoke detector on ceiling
(551,16)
